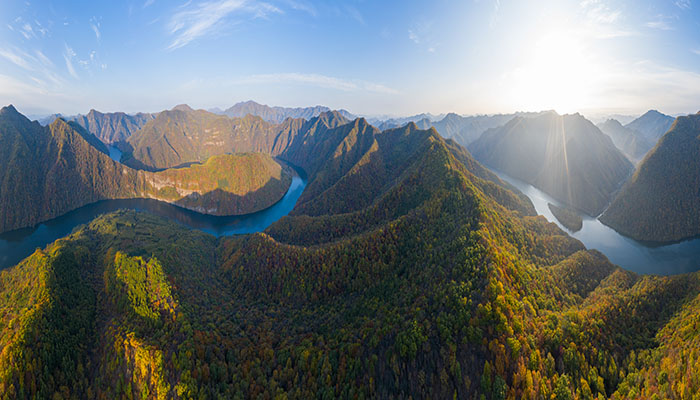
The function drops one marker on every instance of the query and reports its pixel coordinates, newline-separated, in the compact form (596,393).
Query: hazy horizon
(595,57)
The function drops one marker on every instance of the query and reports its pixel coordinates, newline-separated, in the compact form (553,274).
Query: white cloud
(95,25)
(682,4)
(300,5)
(203,19)
(148,3)
(662,22)
(355,14)
(45,60)
(68,55)
(323,81)
(16,57)
(598,12)
(696,51)
(27,31)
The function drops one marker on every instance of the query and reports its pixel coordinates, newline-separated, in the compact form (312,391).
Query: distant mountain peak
(9,109)
(182,107)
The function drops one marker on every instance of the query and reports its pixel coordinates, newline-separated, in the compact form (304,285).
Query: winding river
(18,244)
(628,253)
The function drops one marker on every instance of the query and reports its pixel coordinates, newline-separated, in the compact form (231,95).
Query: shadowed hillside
(48,171)
(661,202)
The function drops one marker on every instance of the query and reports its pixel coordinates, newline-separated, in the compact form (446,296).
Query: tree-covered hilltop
(430,282)
(48,171)
(570,219)
(661,201)
(229,184)
(565,156)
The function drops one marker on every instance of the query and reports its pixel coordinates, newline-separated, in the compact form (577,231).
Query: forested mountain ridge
(661,201)
(48,171)
(112,127)
(430,282)
(177,137)
(566,156)
(229,184)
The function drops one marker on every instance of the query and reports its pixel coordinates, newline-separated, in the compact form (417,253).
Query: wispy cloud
(696,51)
(301,5)
(494,14)
(16,57)
(68,56)
(422,35)
(34,64)
(662,22)
(599,12)
(193,21)
(413,36)
(682,4)
(355,14)
(148,3)
(95,25)
(323,81)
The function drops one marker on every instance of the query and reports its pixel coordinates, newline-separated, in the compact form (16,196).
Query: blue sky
(370,57)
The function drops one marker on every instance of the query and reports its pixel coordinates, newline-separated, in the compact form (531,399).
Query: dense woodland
(406,270)
(570,219)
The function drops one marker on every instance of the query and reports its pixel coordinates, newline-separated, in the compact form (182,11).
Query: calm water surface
(16,245)
(628,253)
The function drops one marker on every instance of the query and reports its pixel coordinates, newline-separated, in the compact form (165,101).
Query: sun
(558,74)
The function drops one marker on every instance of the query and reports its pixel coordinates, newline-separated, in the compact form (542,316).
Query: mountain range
(48,171)
(661,201)
(276,114)
(640,135)
(406,269)
(566,156)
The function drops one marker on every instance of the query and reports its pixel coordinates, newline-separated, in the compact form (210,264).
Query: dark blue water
(16,245)
(628,253)
(115,153)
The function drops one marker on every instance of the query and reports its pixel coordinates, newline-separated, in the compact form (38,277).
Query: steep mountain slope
(565,156)
(430,283)
(181,136)
(277,115)
(632,143)
(48,171)
(652,125)
(661,202)
(112,127)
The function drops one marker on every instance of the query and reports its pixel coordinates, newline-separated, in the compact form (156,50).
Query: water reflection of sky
(16,245)
(628,253)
